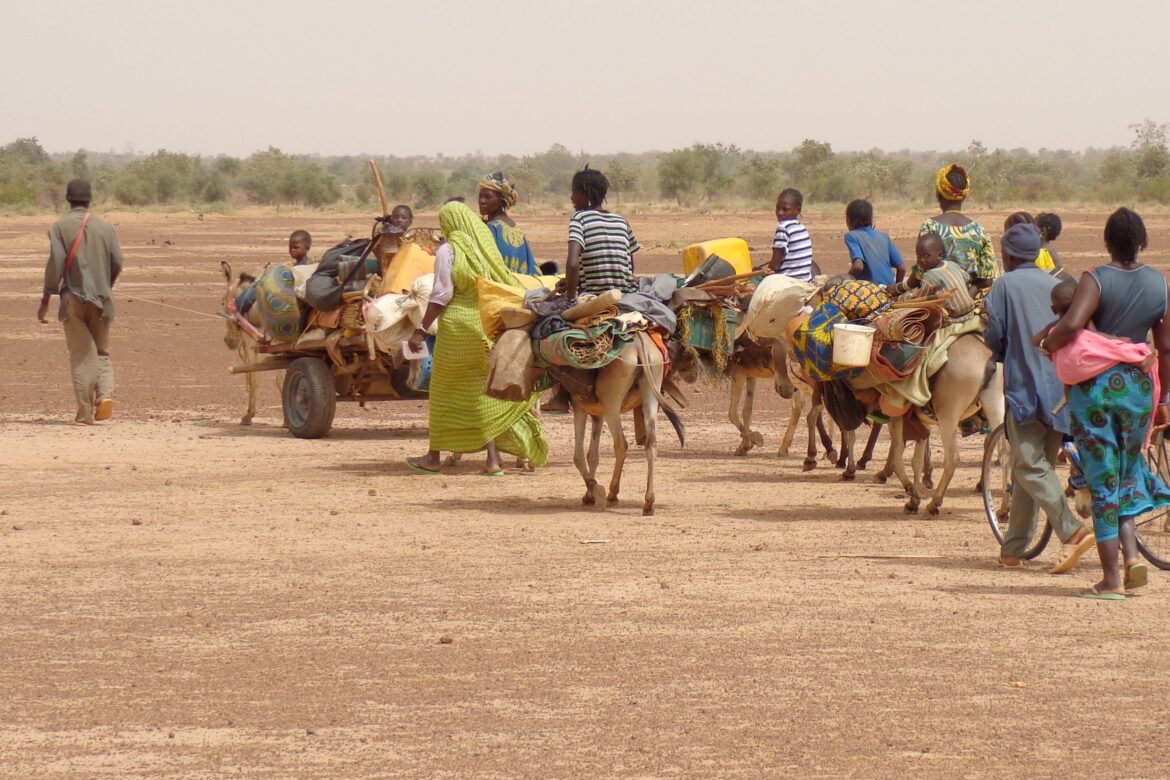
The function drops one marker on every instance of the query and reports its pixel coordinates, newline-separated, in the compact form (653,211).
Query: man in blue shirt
(1019,306)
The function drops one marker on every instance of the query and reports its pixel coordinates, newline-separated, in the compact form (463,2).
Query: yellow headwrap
(946,189)
(498,182)
(473,243)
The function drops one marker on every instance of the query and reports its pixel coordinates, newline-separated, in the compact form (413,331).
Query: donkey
(632,382)
(967,381)
(238,338)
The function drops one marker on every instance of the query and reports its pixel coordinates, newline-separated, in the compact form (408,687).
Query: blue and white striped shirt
(792,236)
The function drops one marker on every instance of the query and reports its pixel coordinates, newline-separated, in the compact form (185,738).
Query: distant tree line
(703,175)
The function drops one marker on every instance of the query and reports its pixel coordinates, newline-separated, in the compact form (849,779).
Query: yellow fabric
(944,187)
(493,299)
(409,263)
(530,282)
(1044,260)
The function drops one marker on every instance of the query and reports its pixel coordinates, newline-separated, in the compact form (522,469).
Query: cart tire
(309,398)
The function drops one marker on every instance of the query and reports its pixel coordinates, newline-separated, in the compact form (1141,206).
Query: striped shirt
(607,251)
(792,237)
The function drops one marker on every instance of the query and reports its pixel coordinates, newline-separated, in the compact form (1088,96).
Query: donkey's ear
(227,269)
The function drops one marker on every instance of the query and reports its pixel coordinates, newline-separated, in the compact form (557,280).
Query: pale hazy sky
(423,77)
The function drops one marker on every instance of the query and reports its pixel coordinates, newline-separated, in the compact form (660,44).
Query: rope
(176,308)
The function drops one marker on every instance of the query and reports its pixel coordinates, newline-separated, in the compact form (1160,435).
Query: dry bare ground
(182,597)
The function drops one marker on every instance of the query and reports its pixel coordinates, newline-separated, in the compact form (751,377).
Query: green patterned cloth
(462,417)
(968,245)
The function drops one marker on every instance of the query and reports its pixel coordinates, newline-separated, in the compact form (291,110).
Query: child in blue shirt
(872,255)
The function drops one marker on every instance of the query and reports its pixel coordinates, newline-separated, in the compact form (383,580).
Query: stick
(381,189)
(729,279)
(267,365)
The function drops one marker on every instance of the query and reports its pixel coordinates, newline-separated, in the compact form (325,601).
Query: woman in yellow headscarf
(496,196)
(462,417)
(967,242)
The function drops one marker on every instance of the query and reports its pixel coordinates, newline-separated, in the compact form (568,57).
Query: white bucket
(852,345)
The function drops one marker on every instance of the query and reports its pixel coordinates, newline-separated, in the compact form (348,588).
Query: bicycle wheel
(997,493)
(1153,528)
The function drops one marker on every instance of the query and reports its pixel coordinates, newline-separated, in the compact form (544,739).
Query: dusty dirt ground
(184,597)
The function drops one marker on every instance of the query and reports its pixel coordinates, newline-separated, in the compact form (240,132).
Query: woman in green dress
(462,417)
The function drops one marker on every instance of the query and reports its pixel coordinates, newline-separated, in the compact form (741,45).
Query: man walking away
(1019,306)
(84,262)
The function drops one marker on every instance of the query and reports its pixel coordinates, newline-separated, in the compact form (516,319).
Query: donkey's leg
(740,397)
(650,416)
(897,446)
(866,456)
(824,428)
(848,440)
(613,418)
(594,457)
(793,420)
(247,357)
(949,433)
(814,423)
(579,419)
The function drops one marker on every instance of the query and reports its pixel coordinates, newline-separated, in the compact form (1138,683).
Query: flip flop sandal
(420,469)
(1100,595)
(1136,576)
(105,409)
(486,473)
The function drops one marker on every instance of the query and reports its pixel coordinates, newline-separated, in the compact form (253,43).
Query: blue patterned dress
(513,247)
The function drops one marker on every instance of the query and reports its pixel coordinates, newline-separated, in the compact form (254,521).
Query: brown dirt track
(183,597)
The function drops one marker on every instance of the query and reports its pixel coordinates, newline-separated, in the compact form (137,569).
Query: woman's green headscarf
(473,242)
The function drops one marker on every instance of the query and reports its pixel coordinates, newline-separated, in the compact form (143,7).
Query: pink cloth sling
(1091,354)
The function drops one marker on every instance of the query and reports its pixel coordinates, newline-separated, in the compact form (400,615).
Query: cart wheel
(997,493)
(309,397)
(1153,528)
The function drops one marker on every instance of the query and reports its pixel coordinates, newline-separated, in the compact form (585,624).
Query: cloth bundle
(777,300)
(277,304)
(392,318)
(812,344)
(857,298)
(512,374)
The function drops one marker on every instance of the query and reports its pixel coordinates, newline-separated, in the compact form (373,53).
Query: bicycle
(1153,528)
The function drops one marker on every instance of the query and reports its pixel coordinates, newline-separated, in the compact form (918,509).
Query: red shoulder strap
(73,249)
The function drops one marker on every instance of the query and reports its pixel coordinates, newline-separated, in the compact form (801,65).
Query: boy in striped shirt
(792,252)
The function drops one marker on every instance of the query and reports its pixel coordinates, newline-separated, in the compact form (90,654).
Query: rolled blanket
(596,304)
(581,347)
(899,340)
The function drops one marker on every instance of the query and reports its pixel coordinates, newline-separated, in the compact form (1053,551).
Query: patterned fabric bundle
(813,345)
(857,298)
(582,347)
(276,301)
